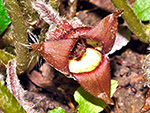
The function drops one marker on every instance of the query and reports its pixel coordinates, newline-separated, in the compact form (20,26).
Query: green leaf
(142,9)
(57,110)
(90,104)
(4,19)
(114,84)
(87,102)
(8,103)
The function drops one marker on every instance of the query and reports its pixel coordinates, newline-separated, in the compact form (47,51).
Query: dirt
(131,92)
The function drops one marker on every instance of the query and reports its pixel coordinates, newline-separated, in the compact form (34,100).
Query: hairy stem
(21,35)
(8,101)
(132,20)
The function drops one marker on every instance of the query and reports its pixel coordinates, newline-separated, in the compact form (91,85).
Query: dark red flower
(81,52)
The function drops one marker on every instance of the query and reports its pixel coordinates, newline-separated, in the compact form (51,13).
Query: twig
(117,107)
(132,20)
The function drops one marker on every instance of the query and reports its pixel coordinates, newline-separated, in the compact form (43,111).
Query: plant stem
(9,104)
(132,20)
(21,35)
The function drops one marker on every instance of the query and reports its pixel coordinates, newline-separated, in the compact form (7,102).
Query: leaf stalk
(135,25)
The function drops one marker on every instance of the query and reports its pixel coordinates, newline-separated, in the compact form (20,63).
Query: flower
(81,51)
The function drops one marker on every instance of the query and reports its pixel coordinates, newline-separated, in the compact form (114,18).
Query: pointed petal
(97,82)
(105,31)
(56,52)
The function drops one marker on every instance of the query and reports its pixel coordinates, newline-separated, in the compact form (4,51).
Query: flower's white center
(88,62)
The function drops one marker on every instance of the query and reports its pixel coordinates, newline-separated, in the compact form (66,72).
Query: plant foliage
(142,9)
(4,19)
(57,110)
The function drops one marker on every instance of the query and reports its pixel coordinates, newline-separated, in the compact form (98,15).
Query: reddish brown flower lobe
(97,82)
(56,53)
(105,31)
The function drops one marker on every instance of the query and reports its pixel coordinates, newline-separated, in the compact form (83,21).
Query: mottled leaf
(21,37)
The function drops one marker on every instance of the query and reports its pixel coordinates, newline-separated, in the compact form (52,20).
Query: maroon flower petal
(56,52)
(105,31)
(97,82)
